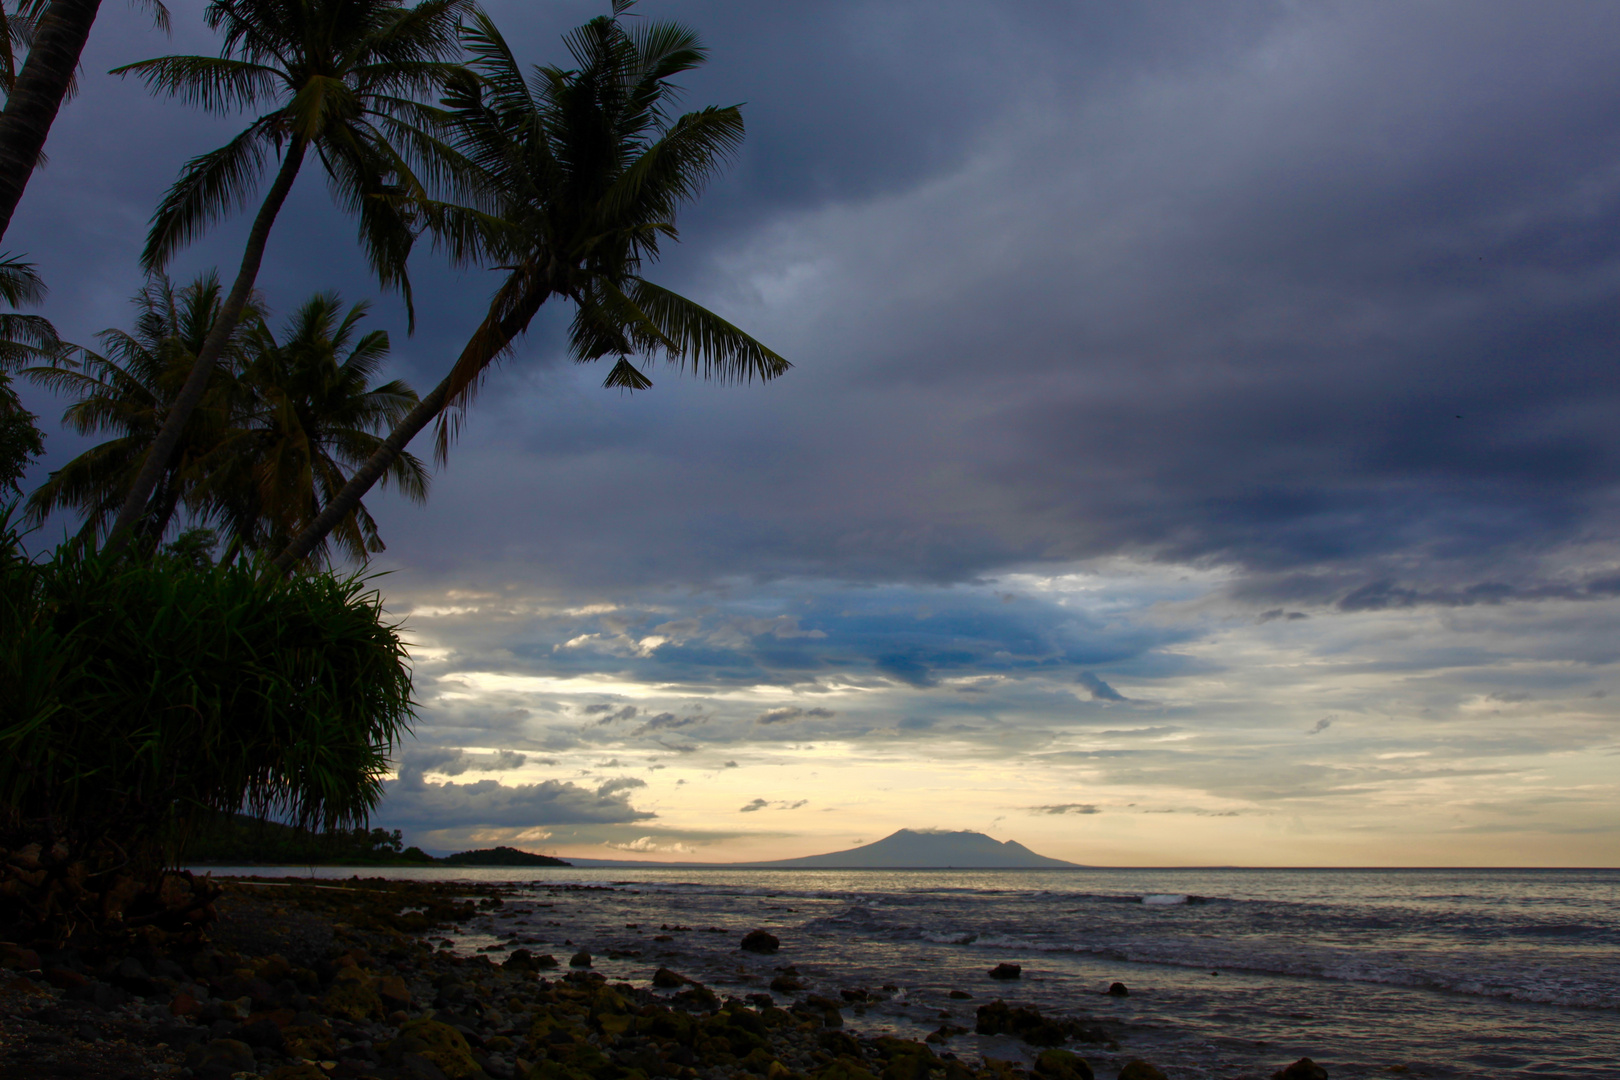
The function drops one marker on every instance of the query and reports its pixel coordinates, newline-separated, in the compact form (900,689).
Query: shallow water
(1446,973)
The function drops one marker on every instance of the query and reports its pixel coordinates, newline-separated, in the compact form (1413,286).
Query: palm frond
(214,84)
(210,186)
(705,344)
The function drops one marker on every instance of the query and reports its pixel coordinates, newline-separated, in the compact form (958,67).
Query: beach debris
(1303,1069)
(1007,971)
(760,941)
(1137,1069)
(1118,990)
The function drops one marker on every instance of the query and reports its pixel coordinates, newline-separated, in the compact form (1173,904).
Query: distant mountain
(910,849)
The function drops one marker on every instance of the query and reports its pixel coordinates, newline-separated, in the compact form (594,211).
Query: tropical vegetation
(197,651)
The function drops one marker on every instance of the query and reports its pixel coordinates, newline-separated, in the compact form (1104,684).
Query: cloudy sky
(1202,445)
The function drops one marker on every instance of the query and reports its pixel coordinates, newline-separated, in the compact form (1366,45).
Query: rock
(441,1046)
(960,995)
(261,1035)
(309,1040)
(759,941)
(394,993)
(18,958)
(1007,971)
(581,959)
(184,1005)
(300,1071)
(1118,990)
(666,979)
(220,1058)
(1303,1069)
(63,979)
(352,997)
(998,1018)
(786,984)
(1063,1065)
(1137,1069)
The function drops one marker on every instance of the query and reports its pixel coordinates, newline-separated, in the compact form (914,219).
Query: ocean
(1230,973)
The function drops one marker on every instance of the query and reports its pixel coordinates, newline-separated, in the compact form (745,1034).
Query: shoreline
(306,981)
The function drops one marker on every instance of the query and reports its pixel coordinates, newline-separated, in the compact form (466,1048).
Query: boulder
(581,959)
(1137,1069)
(666,979)
(1062,1065)
(960,995)
(1118,990)
(440,1044)
(759,941)
(221,1058)
(1303,1069)
(1007,971)
(786,984)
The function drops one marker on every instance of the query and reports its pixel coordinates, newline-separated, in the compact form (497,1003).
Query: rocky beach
(297,981)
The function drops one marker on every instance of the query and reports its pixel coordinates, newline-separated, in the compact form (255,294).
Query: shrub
(145,698)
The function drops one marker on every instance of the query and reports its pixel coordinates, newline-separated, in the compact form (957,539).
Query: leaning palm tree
(571,180)
(55,32)
(342,78)
(315,416)
(128,390)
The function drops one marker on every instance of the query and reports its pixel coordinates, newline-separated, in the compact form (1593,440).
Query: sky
(1201,445)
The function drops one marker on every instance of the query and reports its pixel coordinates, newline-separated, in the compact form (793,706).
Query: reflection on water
(1231,972)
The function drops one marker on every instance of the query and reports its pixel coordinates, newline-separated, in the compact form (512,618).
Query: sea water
(1230,973)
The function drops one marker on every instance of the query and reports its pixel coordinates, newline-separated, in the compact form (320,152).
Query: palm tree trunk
(41,86)
(487,343)
(230,313)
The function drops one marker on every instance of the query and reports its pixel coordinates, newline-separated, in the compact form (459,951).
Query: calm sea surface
(1232,973)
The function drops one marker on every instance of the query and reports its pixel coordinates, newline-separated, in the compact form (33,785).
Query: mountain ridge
(917,849)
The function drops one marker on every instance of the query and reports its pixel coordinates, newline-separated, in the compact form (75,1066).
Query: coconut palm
(571,178)
(341,78)
(315,416)
(23,338)
(129,390)
(54,32)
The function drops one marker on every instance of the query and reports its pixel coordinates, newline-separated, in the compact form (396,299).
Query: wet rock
(960,995)
(1118,990)
(1303,1069)
(1062,1065)
(440,1045)
(1007,971)
(299,1071)
(220,1059)
(581,959)
(759,941)
(352,997)
(1023,1022)
(1137,1069)
(666,979)
(394,993)
(261,1035)
(786,984)
(763,1001)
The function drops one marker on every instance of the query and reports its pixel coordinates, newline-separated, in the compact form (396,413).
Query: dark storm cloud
(1322,293)
(414,803)
(1099,689)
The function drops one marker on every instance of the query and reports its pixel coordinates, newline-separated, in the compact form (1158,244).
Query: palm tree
(130,390)
(55,32)
(315,415)
(22,338)
(344,78)
(572,178)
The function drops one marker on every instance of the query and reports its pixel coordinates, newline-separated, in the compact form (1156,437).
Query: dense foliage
(143,698)
(238,839)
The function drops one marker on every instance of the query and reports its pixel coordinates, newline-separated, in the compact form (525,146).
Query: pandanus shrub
(144,699)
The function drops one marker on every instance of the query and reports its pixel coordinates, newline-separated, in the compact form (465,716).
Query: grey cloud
(619,783)
(413,803)
(1099,689)
(793,712)
(1322,725)
(757,804)
(668,721)
(1064,808)
(452,761)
